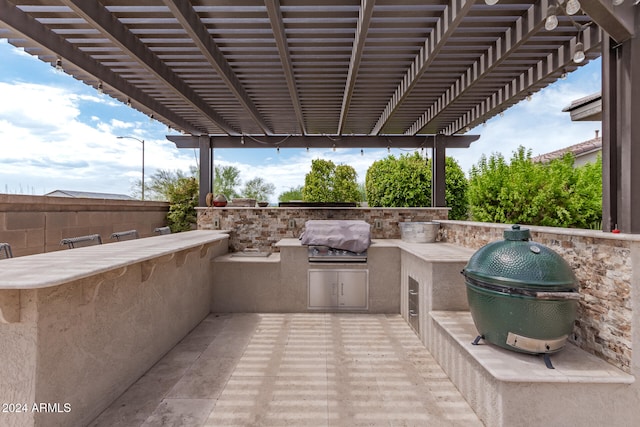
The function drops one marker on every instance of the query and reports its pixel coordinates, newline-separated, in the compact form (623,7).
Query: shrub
(521,191)
(183,199)
(330,183)
(406,182)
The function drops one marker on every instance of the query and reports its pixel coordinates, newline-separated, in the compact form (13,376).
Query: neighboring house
(88,195)
(587,109)
(583,153)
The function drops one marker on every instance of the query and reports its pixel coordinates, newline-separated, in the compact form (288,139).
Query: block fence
(36,224)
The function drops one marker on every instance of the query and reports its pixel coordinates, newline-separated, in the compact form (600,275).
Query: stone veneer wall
(603,263)
(263,227)
(36,224)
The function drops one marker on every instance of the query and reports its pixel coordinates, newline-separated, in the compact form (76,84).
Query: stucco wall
(603,263)
(79,345)
(36,224)
(263,227)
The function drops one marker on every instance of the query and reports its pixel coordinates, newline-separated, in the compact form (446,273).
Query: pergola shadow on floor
(294,369)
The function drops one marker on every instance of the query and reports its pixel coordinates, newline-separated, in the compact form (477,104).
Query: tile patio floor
(294,370)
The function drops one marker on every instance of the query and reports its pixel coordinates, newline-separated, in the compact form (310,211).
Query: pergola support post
(438,183)
(621,135)
(206,169)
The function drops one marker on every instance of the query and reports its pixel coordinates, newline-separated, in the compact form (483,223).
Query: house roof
(588,108)
(581,149)
(582,101)
(330,67)
(88,195)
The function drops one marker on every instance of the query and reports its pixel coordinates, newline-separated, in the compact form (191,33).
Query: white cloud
(46,146)
(115,125)
(539,124)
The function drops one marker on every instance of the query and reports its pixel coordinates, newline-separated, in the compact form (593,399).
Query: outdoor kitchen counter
(64,266)
(433,252)
(79,326)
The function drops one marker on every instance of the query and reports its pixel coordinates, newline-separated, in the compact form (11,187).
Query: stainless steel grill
(327,254)
(337,240)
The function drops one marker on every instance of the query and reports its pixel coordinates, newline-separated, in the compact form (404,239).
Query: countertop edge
(52,269)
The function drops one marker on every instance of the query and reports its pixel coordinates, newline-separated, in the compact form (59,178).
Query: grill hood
(347,235)
(516,262)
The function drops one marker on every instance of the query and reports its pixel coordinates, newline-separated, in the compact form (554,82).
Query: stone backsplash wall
(603,265)
(263,227)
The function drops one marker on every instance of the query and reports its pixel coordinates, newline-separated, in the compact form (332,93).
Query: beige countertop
(286,243)
(55,268)
(234,257)
(439,252)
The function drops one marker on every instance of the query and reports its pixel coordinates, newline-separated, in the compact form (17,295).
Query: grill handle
(566,295)
(557,295)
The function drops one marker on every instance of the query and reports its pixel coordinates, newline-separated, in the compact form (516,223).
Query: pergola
(344,73)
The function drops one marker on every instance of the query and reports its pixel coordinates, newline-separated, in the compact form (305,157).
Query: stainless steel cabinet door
(353,289)
(323,289)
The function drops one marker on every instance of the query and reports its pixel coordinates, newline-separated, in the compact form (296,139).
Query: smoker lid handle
(558,295)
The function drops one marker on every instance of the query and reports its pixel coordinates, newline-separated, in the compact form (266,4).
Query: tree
(406,182)
(487,179)
(456,185)
(317,183)
(181,191)
(363,191)
(226,180)
(588,192)
(258,189)
(183,199)
(399,182)
(345,186)
(162,180)
(330,183)
(291,194)
(521,191)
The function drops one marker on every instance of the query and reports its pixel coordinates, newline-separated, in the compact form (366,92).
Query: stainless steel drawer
(414,305)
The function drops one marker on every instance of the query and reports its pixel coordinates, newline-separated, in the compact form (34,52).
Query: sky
(57,133)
